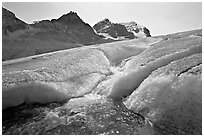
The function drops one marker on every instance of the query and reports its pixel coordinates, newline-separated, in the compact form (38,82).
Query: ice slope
(161,49)
(160,87)
(54,78)
(131,81)
(130,73)
(62,75)
(171,97)
(46,91)
(118,51)
(165,87)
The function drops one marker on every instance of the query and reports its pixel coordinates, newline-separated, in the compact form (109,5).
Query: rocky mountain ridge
(21,39)
(68,31)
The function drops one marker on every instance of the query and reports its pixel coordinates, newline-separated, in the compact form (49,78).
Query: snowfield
(142,86)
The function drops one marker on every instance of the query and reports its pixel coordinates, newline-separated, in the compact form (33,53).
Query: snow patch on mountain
(107,36)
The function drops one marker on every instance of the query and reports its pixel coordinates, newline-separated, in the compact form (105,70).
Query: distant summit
(138,30)
(104,22)
(114,30)
(121,30)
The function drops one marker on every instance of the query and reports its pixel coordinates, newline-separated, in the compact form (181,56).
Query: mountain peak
(71,13)
(104,21)
(69,18)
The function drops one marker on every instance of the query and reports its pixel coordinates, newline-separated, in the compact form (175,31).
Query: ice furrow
(182,72)
(116,55)
(127,83)
(55,79)
(105,54)
(49,91)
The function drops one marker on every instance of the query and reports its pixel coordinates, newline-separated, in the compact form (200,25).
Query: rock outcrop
(10,22)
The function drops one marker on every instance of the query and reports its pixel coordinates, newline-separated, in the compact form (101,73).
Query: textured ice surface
(174,105)
(70,74)
(45,92)
(91,114)
(118,51)
(161,49)
(130,81)
(160,86)
(171,97)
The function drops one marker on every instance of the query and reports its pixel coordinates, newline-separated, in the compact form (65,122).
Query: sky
(159,17)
